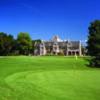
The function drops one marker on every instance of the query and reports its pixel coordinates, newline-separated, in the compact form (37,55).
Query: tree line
(23,45)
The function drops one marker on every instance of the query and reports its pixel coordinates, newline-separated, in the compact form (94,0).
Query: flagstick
(76,56)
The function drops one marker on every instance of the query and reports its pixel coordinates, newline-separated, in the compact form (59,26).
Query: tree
(24,43)
(93,44)
(6,43)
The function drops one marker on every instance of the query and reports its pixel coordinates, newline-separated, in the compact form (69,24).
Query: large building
(57,46)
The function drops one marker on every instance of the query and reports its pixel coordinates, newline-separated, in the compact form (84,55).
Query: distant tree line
(23,45)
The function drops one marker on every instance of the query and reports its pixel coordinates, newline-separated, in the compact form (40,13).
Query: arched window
(77,53)
(69,53)
(73,53)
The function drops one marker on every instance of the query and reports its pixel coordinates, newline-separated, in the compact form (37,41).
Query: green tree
(24,43)
(6,43)
(94,43)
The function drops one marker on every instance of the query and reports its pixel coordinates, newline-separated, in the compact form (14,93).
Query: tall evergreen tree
(94,43)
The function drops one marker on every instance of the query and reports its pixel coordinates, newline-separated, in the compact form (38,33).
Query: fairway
(48,78)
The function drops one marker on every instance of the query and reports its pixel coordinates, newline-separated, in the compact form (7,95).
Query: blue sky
(44,18)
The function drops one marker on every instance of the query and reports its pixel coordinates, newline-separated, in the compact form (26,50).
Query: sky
(42,19)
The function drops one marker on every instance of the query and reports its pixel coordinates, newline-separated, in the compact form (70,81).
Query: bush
(60,54)
(95,62)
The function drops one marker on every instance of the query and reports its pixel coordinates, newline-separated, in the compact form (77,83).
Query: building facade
(57,46)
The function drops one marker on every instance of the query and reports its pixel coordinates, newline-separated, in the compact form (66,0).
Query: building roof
(56,39)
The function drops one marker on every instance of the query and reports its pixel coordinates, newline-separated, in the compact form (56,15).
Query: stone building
(57,46)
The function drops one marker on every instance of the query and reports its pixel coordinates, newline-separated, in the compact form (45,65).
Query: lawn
(48,78)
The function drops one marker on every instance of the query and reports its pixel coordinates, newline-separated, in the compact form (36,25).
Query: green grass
(48,78)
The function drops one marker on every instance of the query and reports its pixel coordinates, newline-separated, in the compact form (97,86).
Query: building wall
(68,48)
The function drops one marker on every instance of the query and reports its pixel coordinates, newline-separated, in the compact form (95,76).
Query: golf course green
(48,78)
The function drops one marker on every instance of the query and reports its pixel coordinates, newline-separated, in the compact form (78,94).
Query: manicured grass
(48,78)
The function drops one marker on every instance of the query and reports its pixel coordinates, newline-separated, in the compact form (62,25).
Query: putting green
(55,85)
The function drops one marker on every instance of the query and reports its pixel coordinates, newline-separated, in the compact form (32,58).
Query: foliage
(24,43)
(6,44)
(61,54)
(94,43)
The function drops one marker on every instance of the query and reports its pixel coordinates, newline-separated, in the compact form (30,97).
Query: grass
(48,78)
